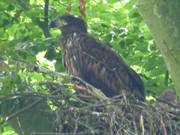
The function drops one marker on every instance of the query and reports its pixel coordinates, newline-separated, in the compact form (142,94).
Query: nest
(95,114)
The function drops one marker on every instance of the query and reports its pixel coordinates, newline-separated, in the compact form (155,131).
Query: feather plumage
(95,62)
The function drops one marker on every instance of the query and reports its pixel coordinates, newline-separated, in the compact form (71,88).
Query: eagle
(93,61)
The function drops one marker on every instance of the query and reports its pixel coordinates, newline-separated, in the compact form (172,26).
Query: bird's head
(69,23)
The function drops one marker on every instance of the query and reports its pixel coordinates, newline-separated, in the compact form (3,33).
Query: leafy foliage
(25,42)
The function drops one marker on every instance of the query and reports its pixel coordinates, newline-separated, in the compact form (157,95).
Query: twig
(163,127)
(20,126)
(142,124)
(166,102)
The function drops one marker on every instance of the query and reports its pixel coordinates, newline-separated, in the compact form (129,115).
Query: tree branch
(46,28)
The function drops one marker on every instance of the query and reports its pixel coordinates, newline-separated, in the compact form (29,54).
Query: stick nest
(95,114)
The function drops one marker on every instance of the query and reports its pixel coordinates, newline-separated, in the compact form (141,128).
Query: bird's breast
(70,53)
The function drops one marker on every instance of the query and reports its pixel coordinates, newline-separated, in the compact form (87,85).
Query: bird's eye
(62,23)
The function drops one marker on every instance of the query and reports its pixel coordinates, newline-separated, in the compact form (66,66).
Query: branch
(82,7)
(46,28)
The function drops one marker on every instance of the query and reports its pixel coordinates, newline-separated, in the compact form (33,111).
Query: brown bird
(93,61)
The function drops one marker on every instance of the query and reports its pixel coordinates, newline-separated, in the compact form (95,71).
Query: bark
(163,20)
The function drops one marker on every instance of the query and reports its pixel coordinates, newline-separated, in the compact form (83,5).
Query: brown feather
(95,62)
(99,65)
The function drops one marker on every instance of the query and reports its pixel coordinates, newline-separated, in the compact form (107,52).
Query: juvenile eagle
(93,61)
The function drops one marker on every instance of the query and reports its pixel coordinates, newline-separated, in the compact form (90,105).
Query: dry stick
(76,126)
(135,127)
(20,126)
(166,102)
(163,127)
(142,124)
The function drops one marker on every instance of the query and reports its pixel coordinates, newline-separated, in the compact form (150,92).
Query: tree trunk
(163,20)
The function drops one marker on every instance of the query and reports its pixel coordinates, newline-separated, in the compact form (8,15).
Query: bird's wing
(101,63)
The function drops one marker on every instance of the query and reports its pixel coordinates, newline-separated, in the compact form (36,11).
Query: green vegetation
(30,56)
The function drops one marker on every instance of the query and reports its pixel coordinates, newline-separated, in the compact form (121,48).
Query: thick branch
(162,18)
